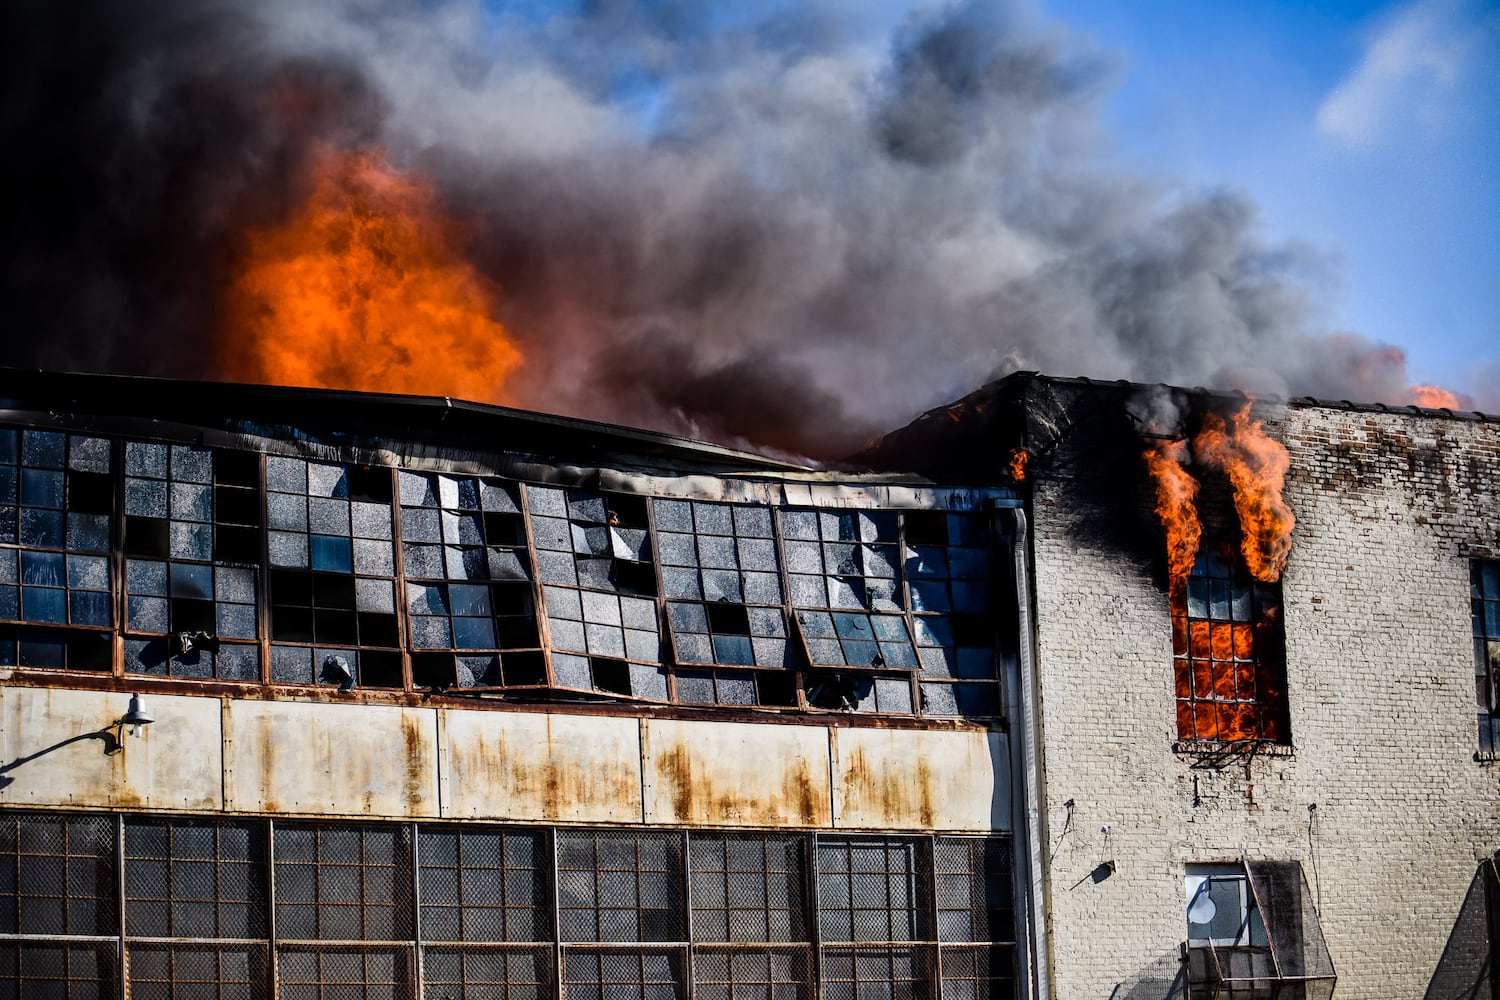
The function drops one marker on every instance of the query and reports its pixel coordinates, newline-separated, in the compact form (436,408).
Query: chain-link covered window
(343,883)
(645,914)
(57,499)
(193,547)
(332,574)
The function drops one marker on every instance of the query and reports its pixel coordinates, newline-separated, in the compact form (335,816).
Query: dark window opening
(55,648)
(1229,660)
(1484,594)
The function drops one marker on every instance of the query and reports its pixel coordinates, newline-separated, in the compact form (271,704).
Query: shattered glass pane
(762,588)
(601,608)
(721,585)
(693,647)
(572,671)
(556,567)
(143,459)
(630,543)
(498,498)
(374,558)
(588,509)
(327,481)
(680,584)
(429,632)
(88,532)
(192,465)
(328,517)
(552,534)
(567,634)
(595,573)
(374,595)
(605,640)
(695,687)
(146,497)
(752,522)
(648,682)
(939,699)
(89,454)
(88,572)
(676,550)
(638,613)
(43,449)
(547,501)
(236,621)
(712,519)
(291,664)
(423,561)
(146,614)
(286,475)
(771,652)
(642,645)
(507,564)
(188,540)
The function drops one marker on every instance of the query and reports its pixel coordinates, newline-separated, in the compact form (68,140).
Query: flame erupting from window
(1018,460)
(1176,505)
(365,287)
(1256,465)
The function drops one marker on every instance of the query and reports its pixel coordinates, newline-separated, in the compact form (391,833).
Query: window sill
(1223,749)
(1487,756)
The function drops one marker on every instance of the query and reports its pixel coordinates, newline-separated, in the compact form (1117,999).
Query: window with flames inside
(1228,649)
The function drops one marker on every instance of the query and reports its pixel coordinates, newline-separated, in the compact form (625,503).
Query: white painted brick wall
(1389,509)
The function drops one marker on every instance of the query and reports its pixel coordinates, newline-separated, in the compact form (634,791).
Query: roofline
(38,382)
(1471,416)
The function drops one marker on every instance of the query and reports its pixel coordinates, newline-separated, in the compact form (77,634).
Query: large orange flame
(1256,465)
(1176,505)
(1435,397)
(1018,460)
(365,288)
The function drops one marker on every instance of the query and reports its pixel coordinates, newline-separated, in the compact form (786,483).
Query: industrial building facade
(443,700)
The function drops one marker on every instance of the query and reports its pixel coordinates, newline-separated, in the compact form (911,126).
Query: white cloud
(1408,73)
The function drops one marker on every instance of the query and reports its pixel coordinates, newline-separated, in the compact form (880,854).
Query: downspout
(1030,763)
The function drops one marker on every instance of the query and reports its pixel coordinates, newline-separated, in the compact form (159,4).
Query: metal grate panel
(484,885)
(342,973)
(197,972)
(748,888)
(623,974)
(57,874)
(195,878)
(902,972)
(488,973)
(752,973)
(58,971)
(615,885)
(979,972)
(974,890)
(343,883)
(869,890)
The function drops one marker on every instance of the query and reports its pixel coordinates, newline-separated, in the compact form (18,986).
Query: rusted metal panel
(909,780)
(735,774)
(290,757)
(566,768)
(60,747)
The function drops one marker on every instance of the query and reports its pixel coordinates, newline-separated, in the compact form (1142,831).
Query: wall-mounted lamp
(136,717)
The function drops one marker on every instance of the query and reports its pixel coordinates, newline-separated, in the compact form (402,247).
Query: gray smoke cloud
(758,226)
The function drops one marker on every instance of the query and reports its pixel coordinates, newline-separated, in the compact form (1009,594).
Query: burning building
(1070,689)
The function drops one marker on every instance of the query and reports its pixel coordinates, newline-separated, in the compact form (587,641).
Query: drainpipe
(1029,763)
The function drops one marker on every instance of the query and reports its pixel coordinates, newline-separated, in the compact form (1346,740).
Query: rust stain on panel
(893,780)
(735,774)
(561,768)
(296,757)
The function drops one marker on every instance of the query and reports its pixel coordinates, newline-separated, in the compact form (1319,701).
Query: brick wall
(1389,509)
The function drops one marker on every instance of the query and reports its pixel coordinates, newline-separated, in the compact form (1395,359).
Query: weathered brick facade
(1379,795)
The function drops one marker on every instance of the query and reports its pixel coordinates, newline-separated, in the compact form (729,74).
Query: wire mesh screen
(488,973)
(902,972)
(1291,922)
(197,972)
(736,972)
(615,885)
(869,889)
(195,878)
(748,888)
(36,970)
(329,973)
(973,879)
(57,874)
(1465,969)
(623,974)
(343,883)
(484,885)
(978,972)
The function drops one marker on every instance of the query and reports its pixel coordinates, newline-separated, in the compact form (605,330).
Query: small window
(1252,931)
(1484,594)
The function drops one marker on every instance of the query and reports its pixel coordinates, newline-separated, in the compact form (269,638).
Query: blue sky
(1370,130)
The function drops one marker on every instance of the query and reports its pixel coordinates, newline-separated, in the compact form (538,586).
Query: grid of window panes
(1484,593)
(947,559)
(56,508)
(332,574)
(1230,674)
(721,580)
(198,894)
(192,544)
(596,565)
(469,586)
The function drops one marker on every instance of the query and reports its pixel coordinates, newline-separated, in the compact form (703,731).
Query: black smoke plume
(757,226)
